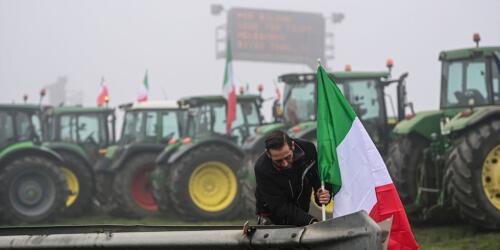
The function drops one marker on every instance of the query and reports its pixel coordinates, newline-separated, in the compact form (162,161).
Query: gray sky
(41,40)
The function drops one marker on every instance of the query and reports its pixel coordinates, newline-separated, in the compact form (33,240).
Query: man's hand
(323,196)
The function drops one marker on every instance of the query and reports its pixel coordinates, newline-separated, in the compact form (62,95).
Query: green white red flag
(349,160)
(229,90)
(144,89)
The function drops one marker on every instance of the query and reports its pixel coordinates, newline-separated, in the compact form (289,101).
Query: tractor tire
(248,186)
(32,190)
(203,184)
(475,161)
(80,183)
(403,162)
(131,188)
(161,192)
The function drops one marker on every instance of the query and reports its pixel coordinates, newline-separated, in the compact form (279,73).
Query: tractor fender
(423,124)
(478,115)
(71,149)
(28,148)
(129,151)
(166,153)
(185,149)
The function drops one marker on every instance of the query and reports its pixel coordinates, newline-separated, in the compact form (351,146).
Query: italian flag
(349,160)
(144,89)
(229,90)
(103,94)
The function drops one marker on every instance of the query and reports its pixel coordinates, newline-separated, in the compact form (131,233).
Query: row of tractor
(176,158)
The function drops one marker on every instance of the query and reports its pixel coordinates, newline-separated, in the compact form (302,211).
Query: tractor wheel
(203,184)
(32,190)
(160,191)
(475,161)
(248,185)
(404,162)
(80,184)
(131,188)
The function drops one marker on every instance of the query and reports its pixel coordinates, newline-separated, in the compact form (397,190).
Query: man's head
(279,147)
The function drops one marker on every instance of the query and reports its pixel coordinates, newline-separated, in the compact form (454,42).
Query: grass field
(459,236)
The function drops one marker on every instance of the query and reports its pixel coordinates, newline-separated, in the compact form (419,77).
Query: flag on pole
(144,89)
(229,90)
(103,94)
(349,160)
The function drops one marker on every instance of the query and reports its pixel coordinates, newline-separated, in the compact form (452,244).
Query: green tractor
(449,160)
(80,136)
(123,174)
(366,93)
(32,186)
(197,178)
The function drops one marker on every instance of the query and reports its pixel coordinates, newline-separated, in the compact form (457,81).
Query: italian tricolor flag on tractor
(229,90)
(144,89)
(349,160)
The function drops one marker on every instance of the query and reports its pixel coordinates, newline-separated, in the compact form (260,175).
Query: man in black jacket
(286,174)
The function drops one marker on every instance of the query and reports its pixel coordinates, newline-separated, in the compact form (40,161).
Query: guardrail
(355,231)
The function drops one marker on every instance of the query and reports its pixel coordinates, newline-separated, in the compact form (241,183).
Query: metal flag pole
(323,206)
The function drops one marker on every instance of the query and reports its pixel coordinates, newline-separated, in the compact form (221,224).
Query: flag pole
(323,206)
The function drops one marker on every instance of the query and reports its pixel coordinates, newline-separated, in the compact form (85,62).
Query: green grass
(456,237)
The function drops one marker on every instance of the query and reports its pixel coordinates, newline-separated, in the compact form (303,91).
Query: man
(286,174)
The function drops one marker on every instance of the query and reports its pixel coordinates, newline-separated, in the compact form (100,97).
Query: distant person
(286,175)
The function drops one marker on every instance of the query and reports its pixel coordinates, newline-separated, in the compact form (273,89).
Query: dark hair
(277,140)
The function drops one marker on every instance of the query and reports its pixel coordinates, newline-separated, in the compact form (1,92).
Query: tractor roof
(76,109)
(195,100)
(151,105)
(467,53)
(31,107)
(339,75)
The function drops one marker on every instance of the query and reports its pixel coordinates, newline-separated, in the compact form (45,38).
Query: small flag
(103,94)
(144,89)
(229,90)
(349,160)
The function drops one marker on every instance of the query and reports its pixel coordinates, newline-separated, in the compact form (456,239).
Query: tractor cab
(470,77)
(207,117)
(92,128)
(19,123)
(155,122)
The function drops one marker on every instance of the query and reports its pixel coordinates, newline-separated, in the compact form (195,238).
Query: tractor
(123,174)
(364,90)
(197,178)
(447,161)
(80,136)
(33,187)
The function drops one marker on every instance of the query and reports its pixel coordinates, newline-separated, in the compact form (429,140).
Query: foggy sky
(175,41)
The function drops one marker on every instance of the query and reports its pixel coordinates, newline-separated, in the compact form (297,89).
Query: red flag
(103,95)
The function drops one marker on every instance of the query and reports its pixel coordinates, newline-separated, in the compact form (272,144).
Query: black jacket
(284,195)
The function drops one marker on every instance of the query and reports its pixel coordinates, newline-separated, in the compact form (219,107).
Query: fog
(175,41)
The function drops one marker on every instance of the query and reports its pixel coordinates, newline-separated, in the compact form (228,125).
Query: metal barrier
(355,231)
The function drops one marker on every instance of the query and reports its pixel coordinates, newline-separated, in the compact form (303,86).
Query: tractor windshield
(365,97)
(465,83)
(19,126)
(83,128)
(207,118)
(149,126)
(247,120)
(299,102)
(7,128)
